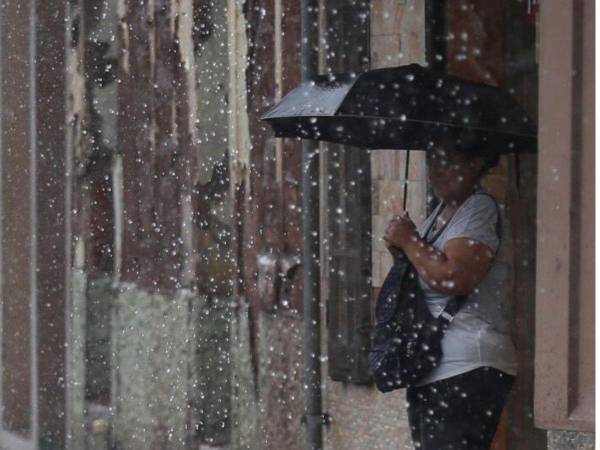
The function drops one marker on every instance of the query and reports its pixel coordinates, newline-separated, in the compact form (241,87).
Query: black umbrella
(406,107)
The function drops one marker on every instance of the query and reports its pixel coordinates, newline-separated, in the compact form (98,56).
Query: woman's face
(452,175)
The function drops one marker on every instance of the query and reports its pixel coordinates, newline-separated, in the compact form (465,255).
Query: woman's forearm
(434,266)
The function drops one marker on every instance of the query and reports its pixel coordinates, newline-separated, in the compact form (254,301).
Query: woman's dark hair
(466,143)
(470,146)
(490,160)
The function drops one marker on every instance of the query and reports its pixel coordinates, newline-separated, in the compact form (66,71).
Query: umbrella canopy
(406,107)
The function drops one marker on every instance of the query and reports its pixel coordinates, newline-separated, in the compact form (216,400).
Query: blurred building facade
(151,241)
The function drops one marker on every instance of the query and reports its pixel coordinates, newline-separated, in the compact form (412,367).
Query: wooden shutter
(348,209)
(348,307)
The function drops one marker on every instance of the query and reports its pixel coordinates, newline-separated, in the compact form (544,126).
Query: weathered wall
(244,418)
(169,361)
(89,361)
(212,87)
(99,300)
(281,401)
(275,391)
(212,135)
(75,363)
(151,207)
(90,136)
(244,384)
(152,348)
(175,229)
(210,370)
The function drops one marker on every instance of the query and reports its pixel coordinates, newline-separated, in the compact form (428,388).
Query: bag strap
(440,208)
(455,303)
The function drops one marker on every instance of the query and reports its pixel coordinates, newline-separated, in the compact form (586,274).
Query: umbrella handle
(399,257)
(406,179)
(517,171)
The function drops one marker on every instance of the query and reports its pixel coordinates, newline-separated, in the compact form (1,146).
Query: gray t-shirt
(480,334)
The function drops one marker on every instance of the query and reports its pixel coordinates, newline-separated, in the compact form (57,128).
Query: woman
(458,405)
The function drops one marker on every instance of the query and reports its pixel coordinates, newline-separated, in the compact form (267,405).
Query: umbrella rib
(532,136)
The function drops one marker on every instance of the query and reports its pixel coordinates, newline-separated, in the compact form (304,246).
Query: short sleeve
(476,220)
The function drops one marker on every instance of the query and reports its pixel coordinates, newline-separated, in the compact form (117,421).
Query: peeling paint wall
(212,88)
(265,183)
(153,348)
(91,97)
(170,370)
(171,375)
(239,134)
(98,306)
(268,405)
(244,407)
(156,141)
(89,361)
(75,363)
(210,372)
(245,433)
(281,372)
(75,355)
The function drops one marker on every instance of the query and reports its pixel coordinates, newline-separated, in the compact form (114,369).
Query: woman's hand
(400,229)
(394,251)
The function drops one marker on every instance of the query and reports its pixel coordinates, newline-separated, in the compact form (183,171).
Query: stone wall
(570,440)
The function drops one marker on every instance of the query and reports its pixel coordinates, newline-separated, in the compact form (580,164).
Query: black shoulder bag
(406,343)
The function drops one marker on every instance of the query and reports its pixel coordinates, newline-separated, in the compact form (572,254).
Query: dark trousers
(458,413)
